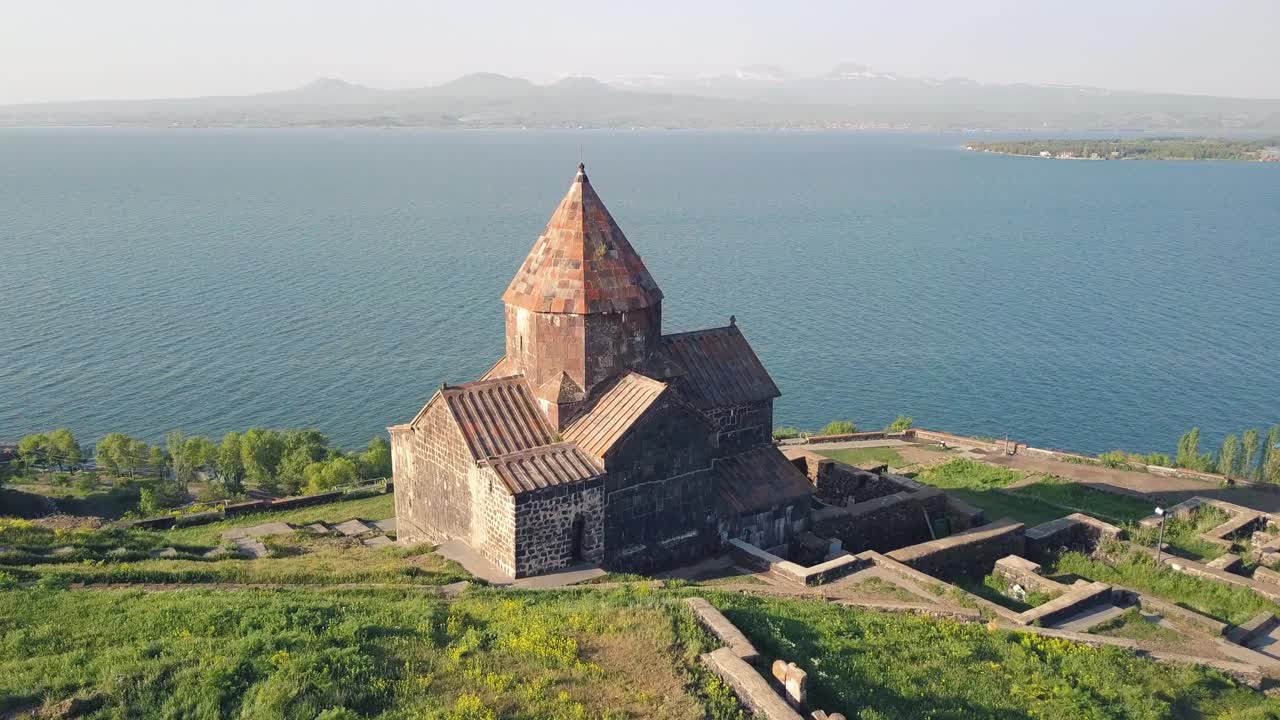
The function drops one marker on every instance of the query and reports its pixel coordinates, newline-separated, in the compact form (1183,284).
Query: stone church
(596,438)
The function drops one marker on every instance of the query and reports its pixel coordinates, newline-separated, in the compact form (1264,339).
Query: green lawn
(991,488)
(1182,533)
(866,456)
(340,655)
(879,667)
(1227,603)
(375,507)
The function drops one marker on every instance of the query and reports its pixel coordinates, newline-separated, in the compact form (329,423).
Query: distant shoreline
(1155,148)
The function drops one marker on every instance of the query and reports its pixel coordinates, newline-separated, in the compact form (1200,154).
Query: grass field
(375,507)
(1228,603)
(879,667)
(866,456)
(338,655)
(629,653)
(1048,498)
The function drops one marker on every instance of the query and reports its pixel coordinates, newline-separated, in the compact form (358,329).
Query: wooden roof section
(720,368)
(759,479)
(614,413)
(582,263)
(543,467)
(497,416)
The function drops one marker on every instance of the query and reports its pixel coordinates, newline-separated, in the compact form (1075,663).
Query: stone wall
(884,523)
(590,348)
(1077,531)
(973,553)
(660,491)
(770,527)
(433,483)
(837,483)
(743,426)
(546,529)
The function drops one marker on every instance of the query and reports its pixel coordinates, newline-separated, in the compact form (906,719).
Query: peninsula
(1156,148)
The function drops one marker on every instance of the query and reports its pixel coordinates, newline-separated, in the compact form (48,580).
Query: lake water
(217,279)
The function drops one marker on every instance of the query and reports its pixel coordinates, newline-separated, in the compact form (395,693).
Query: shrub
(902,424)
(788,433)
(838,427)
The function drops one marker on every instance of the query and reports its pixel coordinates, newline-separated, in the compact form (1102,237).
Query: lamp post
(1160,541)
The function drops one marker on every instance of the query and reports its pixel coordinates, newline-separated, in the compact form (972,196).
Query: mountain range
(759,96)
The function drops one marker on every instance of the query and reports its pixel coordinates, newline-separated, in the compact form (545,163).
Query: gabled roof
(759,479)
(720,368)
(497,416)
(543,467)
(614,413)
(582,263)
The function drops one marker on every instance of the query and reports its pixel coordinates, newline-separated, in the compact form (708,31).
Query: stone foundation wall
(768,528)
(973,553)
(545,529)
(884,523)
(1077,531)
(837,483)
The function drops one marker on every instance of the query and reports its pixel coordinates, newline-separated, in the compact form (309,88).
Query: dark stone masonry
(596,438)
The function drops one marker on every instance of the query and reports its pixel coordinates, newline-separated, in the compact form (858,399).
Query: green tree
(838,427)
(184,469)
(158,460)
(1250,443)
(120,454)
(63,449)
(261,451)
(1229,456)
(902,424)
(201,452)
(375,461)
(300,449)
(230,463)
(1189,456)
(34,449)
(329,474)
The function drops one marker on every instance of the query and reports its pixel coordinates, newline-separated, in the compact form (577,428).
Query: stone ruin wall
(837,483)
(882,524)
(768,529)
(973,553)
(544,526)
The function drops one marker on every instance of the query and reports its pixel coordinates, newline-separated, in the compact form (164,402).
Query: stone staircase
(247,541)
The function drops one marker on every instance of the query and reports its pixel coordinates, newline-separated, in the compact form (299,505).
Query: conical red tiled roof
(582,263)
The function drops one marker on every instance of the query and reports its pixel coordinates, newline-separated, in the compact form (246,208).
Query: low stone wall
(717,624)
(838,483)
(1077,531)
(754,691)
(164,522)
(973,552)
(753,558)
(884,523)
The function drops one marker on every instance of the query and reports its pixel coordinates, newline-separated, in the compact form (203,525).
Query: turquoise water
(217,279)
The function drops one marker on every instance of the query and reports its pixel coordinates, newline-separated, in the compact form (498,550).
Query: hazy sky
(77,49)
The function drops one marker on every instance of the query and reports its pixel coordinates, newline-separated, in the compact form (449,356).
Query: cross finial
(733,319)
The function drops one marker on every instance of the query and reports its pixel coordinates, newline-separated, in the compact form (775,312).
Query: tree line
(1248,456)
(280,462)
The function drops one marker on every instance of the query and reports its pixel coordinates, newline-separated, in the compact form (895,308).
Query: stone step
(352,528)
(1089,619)
(378,541)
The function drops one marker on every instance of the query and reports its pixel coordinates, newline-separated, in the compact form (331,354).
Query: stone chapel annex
(596,438)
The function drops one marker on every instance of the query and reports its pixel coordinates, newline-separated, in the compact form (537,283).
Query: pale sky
(81,49)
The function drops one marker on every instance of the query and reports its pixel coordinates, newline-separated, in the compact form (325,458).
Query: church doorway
(578,534)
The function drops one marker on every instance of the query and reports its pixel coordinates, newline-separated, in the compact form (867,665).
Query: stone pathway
(477,565)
